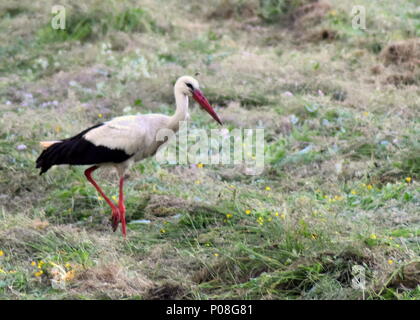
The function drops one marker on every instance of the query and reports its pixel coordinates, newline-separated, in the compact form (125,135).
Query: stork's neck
(181,113)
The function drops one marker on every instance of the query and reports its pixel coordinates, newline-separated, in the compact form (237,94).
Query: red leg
(115,211)
(122,207)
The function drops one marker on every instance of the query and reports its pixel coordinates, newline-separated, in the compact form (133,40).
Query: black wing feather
(78,151)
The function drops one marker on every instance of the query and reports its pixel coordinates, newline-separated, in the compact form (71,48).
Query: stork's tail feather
(46,144)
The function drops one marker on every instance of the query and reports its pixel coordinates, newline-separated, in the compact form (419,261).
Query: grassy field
(339,196)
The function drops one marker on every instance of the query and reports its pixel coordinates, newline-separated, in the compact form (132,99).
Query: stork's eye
(189,85)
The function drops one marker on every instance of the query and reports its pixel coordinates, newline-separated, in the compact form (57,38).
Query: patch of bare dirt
(321,35)
(166,291)
(408,278)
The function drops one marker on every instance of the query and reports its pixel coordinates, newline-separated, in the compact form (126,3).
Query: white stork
(120,142)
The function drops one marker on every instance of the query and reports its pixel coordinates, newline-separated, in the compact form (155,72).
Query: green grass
(91,25)
(339,189)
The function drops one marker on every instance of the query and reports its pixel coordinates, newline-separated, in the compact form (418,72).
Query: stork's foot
(115,219)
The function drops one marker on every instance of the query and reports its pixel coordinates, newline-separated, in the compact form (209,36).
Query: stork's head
(189,86)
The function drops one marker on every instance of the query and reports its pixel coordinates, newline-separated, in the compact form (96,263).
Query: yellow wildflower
(408,179)
(162,231)
(114,198)
(1,253)
(200,165)
(370,187)
(229,215)
(39,273)
(269,219)
(216,254)
(260,220)
(365,113)
(267,188)
(373,236)
(100,115)
(276,214)
(69,275)
(248,211)
(353,192)
(40,264)
(283,216)
(68,265)
(390,261)
(33,263)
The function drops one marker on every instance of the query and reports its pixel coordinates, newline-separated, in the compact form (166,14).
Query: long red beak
(202,101)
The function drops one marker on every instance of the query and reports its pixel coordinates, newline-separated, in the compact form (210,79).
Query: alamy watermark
(59,20)
(358,17)
(215,147)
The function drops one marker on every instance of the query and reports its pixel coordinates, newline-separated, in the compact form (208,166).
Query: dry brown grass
(110,280)
(310,14)
(402,59)
(264,118)
(228,9)
(163,206)
(405,52)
